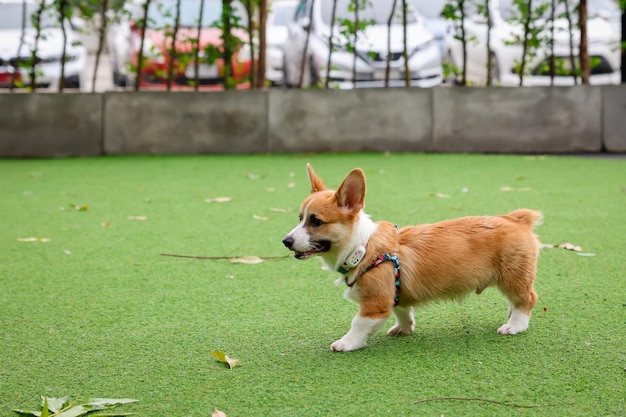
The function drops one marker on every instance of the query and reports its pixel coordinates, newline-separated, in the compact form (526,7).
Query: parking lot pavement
(104,78)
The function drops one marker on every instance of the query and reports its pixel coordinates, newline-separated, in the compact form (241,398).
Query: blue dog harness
(396,273)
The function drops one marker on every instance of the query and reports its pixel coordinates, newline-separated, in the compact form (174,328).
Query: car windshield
(283,14)
(430,9)
(510,11)
(163,13)
(11,16)
(377,11)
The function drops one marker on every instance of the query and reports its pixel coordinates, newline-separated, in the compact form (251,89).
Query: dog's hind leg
(522,298)
(405,321)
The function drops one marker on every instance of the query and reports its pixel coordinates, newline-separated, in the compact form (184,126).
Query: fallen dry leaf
(291,185)
(217,200)
(570,246)
(441,195)
(566,246)
(137,217)
(280,210)
(218,413)
(257,217)
(33,239)
(253,176)
(521,189)
(105,224)
(250,260)
(79,207)
(222,357)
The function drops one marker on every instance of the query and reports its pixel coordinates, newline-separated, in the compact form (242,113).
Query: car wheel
(286,79)
(314,74)
(450,70)
(72,82)
(495,70)
(119,79)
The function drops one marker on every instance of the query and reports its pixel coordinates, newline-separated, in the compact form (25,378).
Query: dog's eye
(315,222)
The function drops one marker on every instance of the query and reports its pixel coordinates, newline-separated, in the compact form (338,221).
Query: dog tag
(355,257)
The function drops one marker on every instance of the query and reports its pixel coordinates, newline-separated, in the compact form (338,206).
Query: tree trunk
(330,42)
(356,40)
(227,43)
(250,29)
(303,61)
(104,5)
(405,52)
(585,64)
(33,52)
(525,45)
(144,25)
(19,48)
(623,47)
(551,44)
(260,76)
(196,51)
(388,59)
(489,54)
(173,53)
(62,5)
(570,29)
(461,4)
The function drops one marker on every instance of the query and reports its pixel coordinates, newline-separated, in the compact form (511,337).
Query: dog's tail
(528,217)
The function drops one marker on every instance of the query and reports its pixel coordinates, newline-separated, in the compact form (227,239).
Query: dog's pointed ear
(351,192)
(316,182)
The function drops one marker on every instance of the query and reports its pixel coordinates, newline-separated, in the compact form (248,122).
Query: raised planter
(513,120)
(185,123)
(50,125)
(614,118)
(395,119)
(580,119)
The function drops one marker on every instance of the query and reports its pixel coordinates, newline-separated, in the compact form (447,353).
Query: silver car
(424,58)
(15,46)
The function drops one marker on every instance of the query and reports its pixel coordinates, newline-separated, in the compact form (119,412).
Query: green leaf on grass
(28,413)
(55,404)
(44,408)
(76,411)
(109,402)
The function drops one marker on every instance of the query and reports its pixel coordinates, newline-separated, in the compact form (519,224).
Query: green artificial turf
(98,311)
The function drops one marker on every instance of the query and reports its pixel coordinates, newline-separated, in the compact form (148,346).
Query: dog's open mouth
(316,249)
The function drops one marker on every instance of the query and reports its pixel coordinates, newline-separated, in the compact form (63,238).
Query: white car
(603,46)
(49,47)
(424,60)
(280,14)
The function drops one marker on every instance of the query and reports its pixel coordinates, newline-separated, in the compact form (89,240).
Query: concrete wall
(614,118)
(350,120)
(509,120)
(185,123)
(578,119)
(50,125)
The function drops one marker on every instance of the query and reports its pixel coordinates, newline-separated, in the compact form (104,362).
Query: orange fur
(445,260)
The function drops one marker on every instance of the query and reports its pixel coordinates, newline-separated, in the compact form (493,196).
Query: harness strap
(396,273)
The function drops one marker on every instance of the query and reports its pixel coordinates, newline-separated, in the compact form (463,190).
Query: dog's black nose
(288,241)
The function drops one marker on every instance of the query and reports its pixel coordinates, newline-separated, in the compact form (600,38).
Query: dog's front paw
(343,345)
(510,329)
(398,330)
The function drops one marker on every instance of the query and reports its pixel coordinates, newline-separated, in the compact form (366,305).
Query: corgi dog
(390,270)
